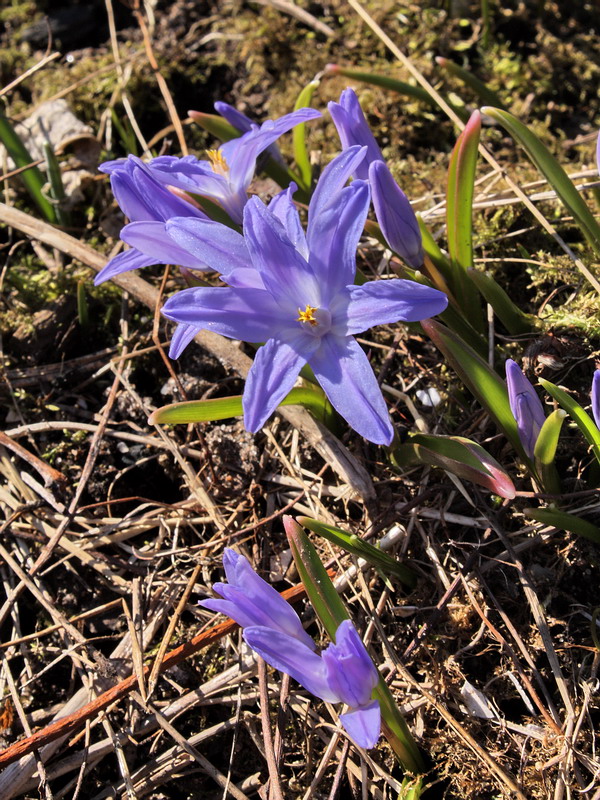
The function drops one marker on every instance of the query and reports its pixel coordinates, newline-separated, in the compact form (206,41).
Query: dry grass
(116,684)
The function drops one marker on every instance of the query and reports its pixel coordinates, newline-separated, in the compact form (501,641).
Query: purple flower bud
(392,208)
(596,397)
(395,215)
(234,117)
(251,601)
(525,405)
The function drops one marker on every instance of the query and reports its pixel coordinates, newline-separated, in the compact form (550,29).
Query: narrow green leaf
(319,589)
(486,24)
(485,94)
(32,177)
(565,522)
(552,171)
(454,317)
(407,89)
(459,217)
(547,441)
(479,378)
(82,306)
(459,456)
(57,190)
(301,155)
(544,451)
(331,611)
(433,250)
(581,418)
(514,320)
(459,196)
(312,398)
(216,125)
(358,547)
(125,131)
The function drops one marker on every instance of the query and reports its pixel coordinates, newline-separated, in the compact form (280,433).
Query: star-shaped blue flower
(298,296)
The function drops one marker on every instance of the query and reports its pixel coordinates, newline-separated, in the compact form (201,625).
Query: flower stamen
(308,315)
(217,162)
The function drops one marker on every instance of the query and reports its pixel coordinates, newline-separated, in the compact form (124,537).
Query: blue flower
(596,397)
(298,297)
(249,600)
(145,200)
(525,405)
(392,208)
(343,673)
(226,176)
(151,193)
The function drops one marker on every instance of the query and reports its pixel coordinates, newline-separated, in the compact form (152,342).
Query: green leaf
(453,316)
(433,250)
(466,76)
(301,155)
(192,411)
(57,190)
(479,378)
(459,456)
(32,177)
(459,215)
(319,589)
(216,125)
(552,171)
(566,522)
(581,418)
(547,441)
(358,547)
(407,89)
(514,320)
(82,305)
(544,451)
(331,611)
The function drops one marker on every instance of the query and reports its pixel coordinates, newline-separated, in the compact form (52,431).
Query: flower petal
(211,243)
(381,302)
(287,655)
(344,372)
(353,128)
(351,672)
(282,207)
(395,215)
(124,262)
(247,314)
(233,116)
(596,397)
(283,270)
(363,724)
(152,239)
(334,237)
(182,336)
(272,376)
(259,599)
(333,179)
(241,154)
(189,174)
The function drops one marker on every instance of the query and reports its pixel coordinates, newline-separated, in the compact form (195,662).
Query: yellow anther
(217,162)
(308,315)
